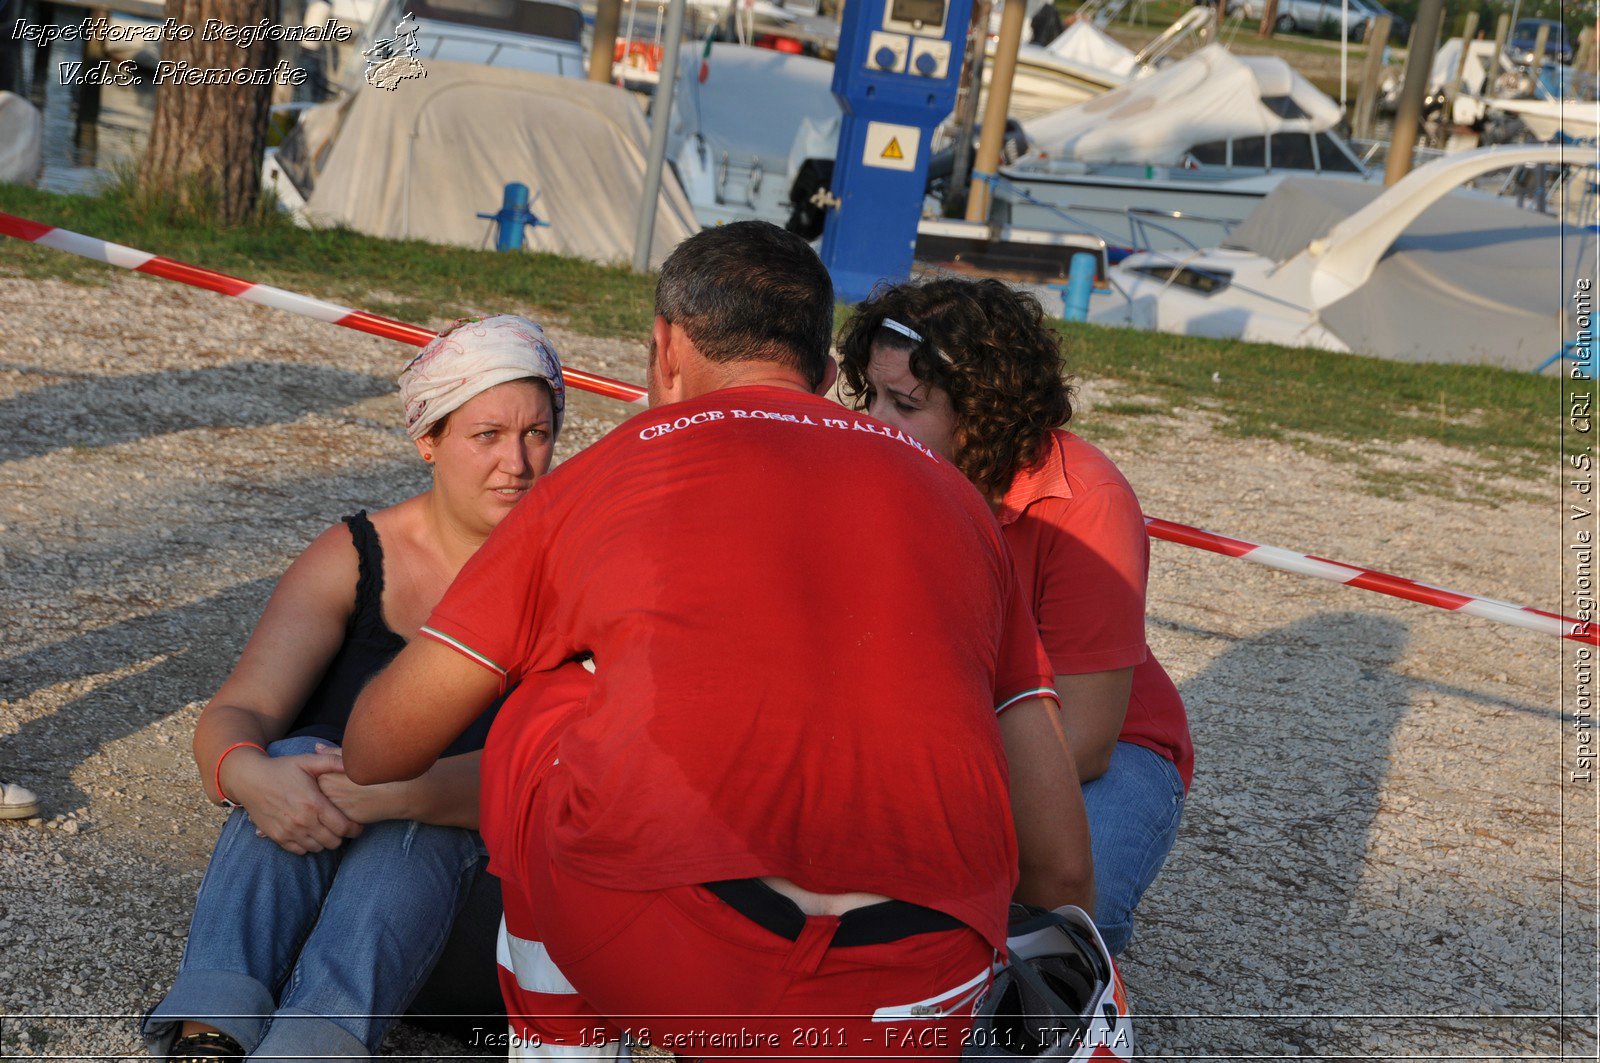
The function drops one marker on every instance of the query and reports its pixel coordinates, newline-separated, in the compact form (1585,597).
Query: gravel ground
(1371,864)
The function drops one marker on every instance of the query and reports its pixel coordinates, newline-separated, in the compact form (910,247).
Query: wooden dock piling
(1371,78)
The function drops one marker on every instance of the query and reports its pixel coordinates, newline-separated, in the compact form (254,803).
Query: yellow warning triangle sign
(892,151)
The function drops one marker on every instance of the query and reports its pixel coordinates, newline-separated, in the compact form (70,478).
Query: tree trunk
(1269,19)
(206,140)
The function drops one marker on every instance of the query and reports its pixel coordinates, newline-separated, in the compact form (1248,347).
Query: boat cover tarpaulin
(1086,44)
(1472,280)
(423,160)
(1211,95)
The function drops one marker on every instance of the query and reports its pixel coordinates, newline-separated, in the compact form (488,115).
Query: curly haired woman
(970,369)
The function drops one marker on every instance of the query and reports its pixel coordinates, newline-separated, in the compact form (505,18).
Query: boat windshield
(1319,152)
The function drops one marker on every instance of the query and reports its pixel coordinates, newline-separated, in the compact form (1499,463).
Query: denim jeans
(296,956)
(1134,809)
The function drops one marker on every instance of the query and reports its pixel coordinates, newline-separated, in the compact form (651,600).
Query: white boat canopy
(1210,96)
(421,162)
(1477,76)
(1468,279)
(1088,45)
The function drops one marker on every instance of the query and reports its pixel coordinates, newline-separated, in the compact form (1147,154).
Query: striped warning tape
(263,294)
(1271,556)
(1371,579)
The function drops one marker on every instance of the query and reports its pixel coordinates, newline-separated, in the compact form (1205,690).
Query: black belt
(873,924)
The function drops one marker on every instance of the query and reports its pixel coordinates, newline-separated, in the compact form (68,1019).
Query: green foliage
(415,278)
(1354,405)
(1329,29)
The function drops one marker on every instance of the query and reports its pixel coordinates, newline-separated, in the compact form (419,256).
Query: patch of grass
(1130,409)
(1332,402)
(421,280)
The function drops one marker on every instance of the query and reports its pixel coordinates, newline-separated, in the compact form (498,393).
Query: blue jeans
(1134,809)
(296,956)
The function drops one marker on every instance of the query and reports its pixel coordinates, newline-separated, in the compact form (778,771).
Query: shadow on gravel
(106,410)
(1415,685)
(172,656)
(192,647)
(1291,733)
(1253,941)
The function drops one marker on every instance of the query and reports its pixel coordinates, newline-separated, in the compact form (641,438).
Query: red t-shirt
(1082,552)
(802,623)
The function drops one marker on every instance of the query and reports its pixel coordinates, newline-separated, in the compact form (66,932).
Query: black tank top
(369,645)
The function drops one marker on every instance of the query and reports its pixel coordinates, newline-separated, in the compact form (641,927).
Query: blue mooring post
(512,217)
(1080,281)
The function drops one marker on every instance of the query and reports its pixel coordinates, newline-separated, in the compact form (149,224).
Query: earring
(428,458)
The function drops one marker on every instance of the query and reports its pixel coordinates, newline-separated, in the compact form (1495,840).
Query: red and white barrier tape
(263,294)
(1271,556)
(1371,579)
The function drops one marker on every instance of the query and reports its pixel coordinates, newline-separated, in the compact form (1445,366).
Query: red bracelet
(217,775)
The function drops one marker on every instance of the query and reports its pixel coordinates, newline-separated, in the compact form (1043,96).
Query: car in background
(1310,16)
(1525,34)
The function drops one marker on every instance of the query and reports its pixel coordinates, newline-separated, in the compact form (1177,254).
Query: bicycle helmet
(1059,998)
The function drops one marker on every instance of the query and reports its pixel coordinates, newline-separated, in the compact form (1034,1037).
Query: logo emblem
(394,59)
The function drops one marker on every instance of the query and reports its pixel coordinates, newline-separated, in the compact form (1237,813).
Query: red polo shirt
(1079,542)
(803,623)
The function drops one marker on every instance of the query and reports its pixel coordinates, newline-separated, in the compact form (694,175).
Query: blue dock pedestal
(513,217)
(1080,282)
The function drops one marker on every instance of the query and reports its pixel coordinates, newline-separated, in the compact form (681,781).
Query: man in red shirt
(783,792)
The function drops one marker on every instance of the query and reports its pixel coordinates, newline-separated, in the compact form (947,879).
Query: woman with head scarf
(327,904)
(970,369)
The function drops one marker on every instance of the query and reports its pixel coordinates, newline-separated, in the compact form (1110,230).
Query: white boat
(1192,148)
(1545,119)
(1417,272)
(1479,74)
(739,141)
(733,135)
(1083,62)
(1492,84)
(739,138)
(1043,82)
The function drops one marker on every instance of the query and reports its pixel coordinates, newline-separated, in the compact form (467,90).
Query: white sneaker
(17,802)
